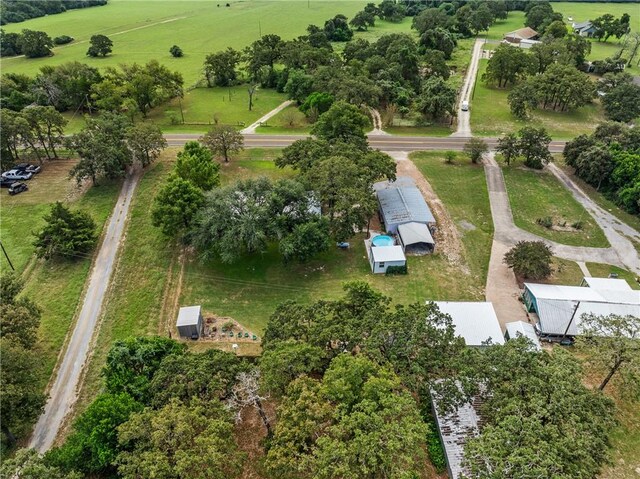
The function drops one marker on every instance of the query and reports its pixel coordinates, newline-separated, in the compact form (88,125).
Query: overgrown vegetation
(609,159)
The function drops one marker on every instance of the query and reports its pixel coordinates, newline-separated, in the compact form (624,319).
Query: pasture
(145,30)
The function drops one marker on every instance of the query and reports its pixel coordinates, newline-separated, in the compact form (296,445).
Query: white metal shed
(190,322)
(381,257)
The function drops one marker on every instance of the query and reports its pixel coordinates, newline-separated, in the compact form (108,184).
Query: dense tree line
(395,72)
(15,11)
(609,159)
(133,89)
(21,399)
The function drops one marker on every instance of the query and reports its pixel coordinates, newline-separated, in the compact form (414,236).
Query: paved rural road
(464,117)
(63,392)
(382,142)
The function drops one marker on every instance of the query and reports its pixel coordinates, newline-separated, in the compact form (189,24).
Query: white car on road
(17,175)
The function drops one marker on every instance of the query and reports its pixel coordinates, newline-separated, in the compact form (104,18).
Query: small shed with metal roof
(518,329)
(416,238)
(382,257)
(402,202)
(190,322)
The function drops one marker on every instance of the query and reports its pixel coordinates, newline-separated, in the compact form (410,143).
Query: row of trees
(36,130)
(132,89)
(609,159)
(15,11)
(110,143)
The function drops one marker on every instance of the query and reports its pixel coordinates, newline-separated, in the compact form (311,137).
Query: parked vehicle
(17,175)
(6,182)
(22,167)
(17,187)
(465,106)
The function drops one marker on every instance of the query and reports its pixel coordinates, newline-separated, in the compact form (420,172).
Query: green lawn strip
(514,21)
(230,106)
(600,270)
(491,116)
(462,188)
(289,121)
(565,272)
(133,306)
(538,194)
(625,442)
(441,131)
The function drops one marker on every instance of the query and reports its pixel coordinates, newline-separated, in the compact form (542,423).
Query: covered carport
(416,238)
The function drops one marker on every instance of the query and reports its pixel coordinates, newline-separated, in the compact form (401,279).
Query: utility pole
(7,256)
(573,315)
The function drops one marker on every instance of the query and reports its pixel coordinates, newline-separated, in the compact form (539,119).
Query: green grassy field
(490,114)
(55,285)
(145,30)
(462,188)
(538,194)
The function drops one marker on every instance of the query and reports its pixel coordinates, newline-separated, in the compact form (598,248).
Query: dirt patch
(250,434)
(465,225)
(227,330)
(447,237)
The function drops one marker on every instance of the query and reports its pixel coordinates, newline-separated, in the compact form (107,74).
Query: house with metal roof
(584,29)
(475,322)
(455,428)
(190,323)
(402,202)
(516,36)
(516,329)
(559,309)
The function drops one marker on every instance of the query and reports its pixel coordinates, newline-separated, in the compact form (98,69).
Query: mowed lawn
(599,270)
(491,116)
(538,194)
(462,188)
(55,285)
(145,30)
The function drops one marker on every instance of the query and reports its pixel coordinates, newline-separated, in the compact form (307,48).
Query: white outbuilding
(517,329)
(190,322)
(476,322)
(381,257)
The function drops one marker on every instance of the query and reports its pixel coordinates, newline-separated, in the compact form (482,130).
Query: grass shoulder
(462,188)
(541,205)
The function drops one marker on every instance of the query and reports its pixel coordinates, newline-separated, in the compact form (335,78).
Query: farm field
(490,114)
(55,286)
(145,30)
(538,194)
(462,188)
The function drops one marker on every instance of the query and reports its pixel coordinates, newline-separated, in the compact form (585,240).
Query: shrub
(547,222)
(435,450)
(62,40)
(578,225)
(530,259)
(176,51)
(393,270)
